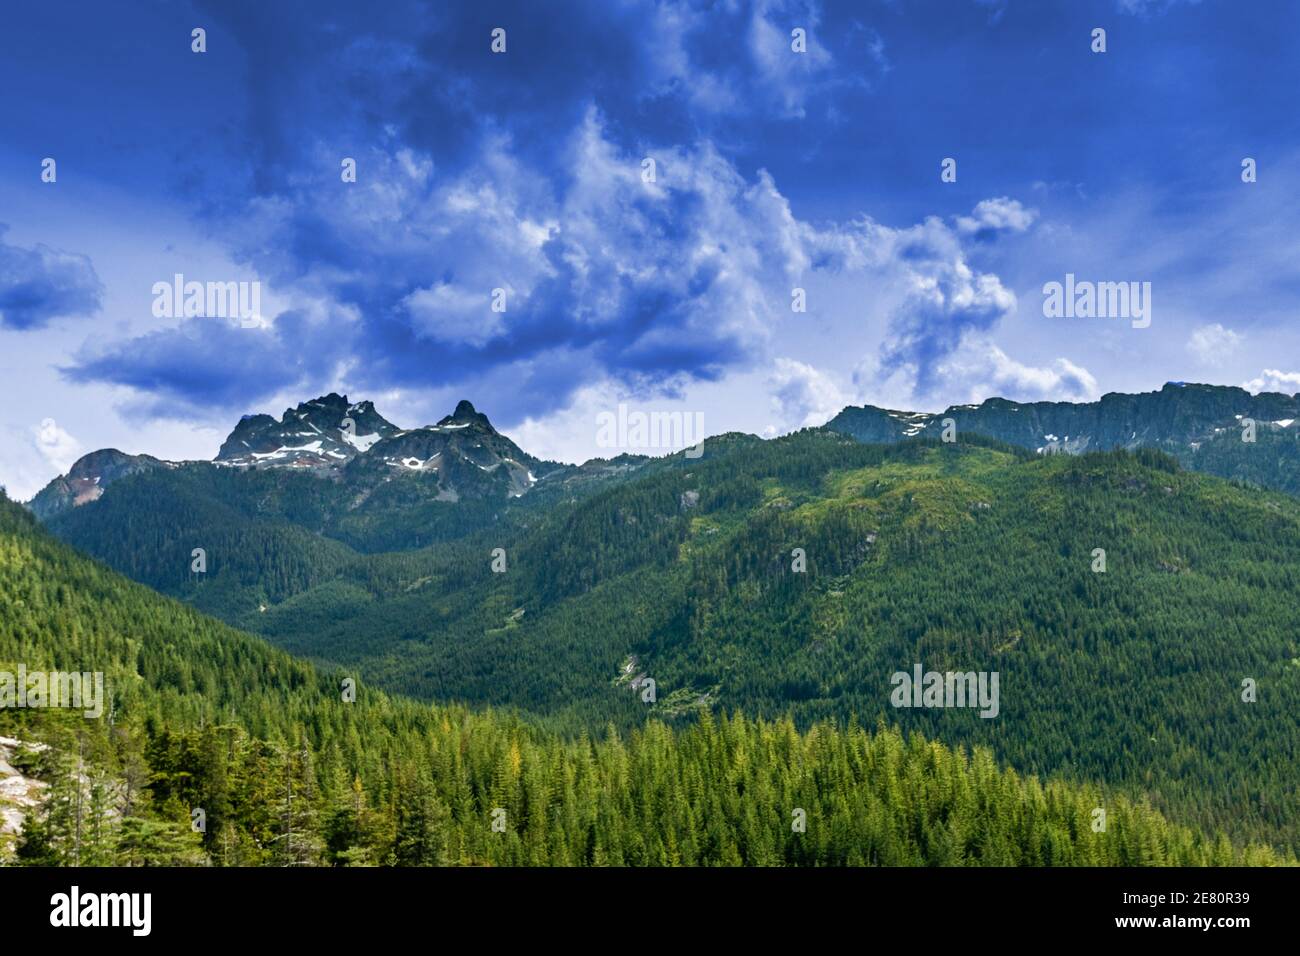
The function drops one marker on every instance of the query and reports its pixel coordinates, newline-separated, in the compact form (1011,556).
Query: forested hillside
(963,558)
(1217,429)
(270,534)
(286,772)
(968,557)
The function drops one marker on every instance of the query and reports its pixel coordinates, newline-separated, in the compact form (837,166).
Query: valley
(286,771)
(973,556)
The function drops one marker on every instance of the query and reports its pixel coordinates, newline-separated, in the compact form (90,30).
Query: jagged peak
(330,400)
(466,414)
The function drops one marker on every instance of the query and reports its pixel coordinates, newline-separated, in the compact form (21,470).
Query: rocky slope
(20,793)
(88,478)
(1180,415)
(461,456)
(321,434)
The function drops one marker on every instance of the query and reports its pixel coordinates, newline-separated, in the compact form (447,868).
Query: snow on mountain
(339,431)
(1175,417)
(461,456)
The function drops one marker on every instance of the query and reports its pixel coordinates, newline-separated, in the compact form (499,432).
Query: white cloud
(660,286)
(978,369)
(579,433)
(55,445)
(1213,343)
(569,433)
(449,313)
(606,275)
(802,396)
(1002,214)
(789,76)
(772,79)
(935,296)
(32,455)
(1272,380)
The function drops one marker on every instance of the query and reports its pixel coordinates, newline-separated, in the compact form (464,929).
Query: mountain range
(1181,416)
(327,437)
(1220,430)
(1201,425)
(784,578)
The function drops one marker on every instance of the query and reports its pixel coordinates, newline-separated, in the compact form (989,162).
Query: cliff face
(1179,416)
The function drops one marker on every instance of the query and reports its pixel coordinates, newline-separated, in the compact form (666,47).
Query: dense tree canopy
(285,771)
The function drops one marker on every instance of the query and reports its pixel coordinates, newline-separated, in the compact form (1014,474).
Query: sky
(624,206)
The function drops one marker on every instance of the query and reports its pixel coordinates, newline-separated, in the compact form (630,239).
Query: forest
(804,763)
(973,556)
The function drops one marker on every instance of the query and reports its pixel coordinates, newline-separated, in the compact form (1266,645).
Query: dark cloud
(479,171)
(209,365)
(519,172)
(41,284)
(603,274)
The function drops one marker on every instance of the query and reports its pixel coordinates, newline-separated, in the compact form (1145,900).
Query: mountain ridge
(207,716)
(786,577)
(332,438)
(1178,411)
(334,431)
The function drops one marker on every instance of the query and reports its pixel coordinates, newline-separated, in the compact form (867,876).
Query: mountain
(463,453)
(464,456)
(280,515)
(354,447)
(87,479)
(973,557)
(1179,414)
(1201,425)
(461,456)
(322,434)
(204,722)
(976,555)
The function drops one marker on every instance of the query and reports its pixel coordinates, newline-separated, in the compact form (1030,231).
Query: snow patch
(361,443)
(285,451)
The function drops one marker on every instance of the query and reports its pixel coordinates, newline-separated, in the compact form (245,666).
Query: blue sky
(522,171)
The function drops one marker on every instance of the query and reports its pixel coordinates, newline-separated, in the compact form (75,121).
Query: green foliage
(288,773)
(1271,461)
(968,557)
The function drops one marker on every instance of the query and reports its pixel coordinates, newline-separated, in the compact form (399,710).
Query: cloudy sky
(774,169)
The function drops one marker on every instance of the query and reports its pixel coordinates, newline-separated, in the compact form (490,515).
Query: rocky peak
(466,414)
(1180,415)
(318,435)
(87,479)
